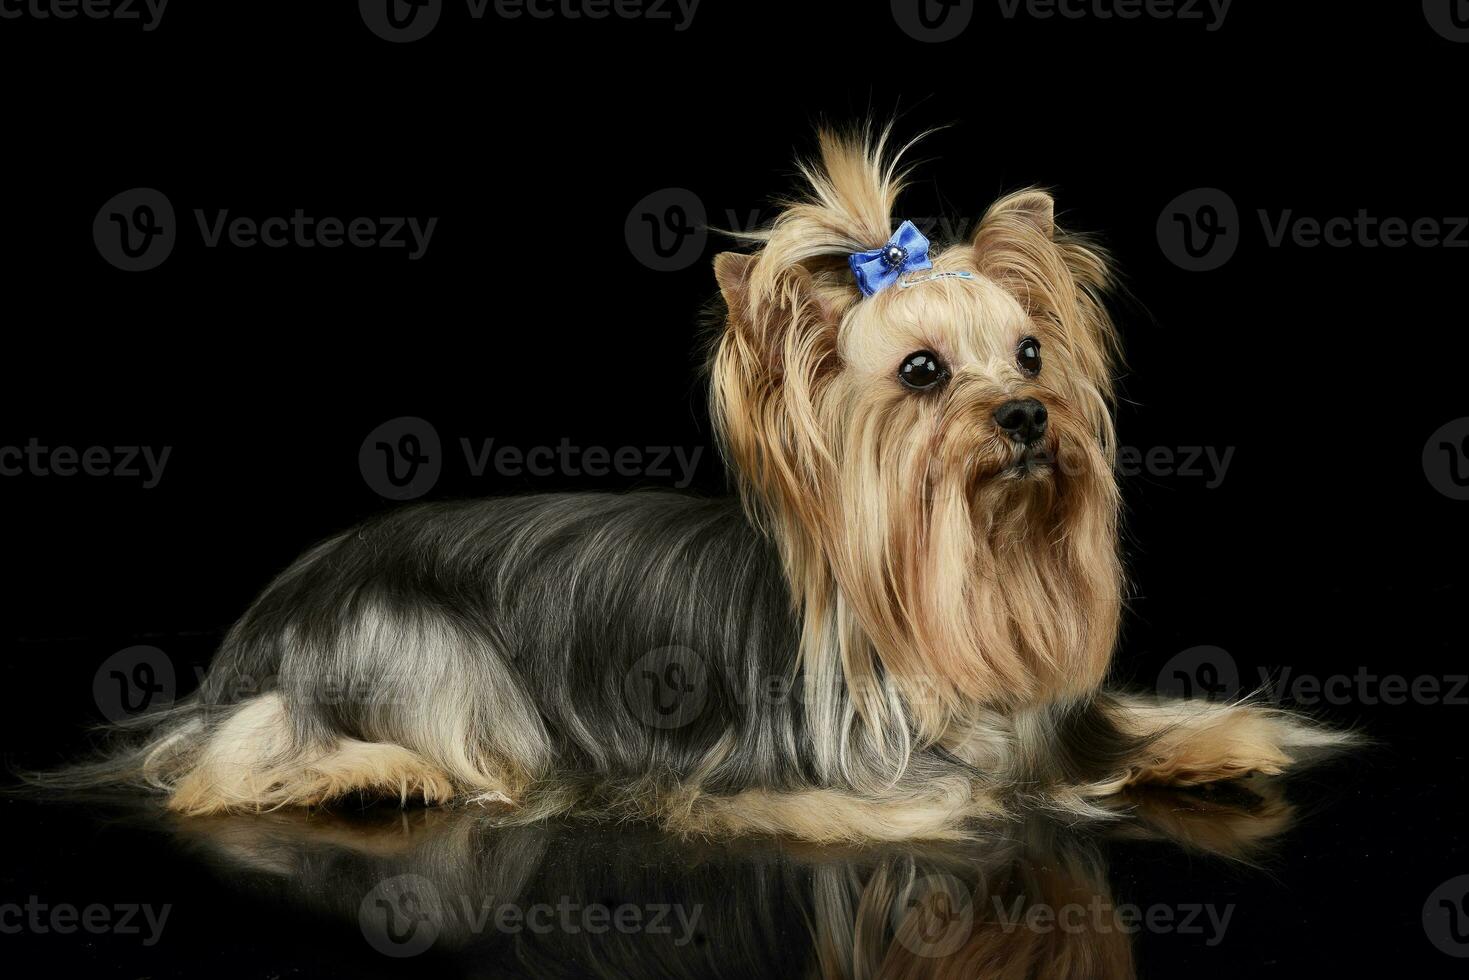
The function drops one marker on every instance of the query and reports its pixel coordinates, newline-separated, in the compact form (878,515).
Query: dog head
(934,460)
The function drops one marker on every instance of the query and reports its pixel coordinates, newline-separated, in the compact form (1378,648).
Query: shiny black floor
(1334,871)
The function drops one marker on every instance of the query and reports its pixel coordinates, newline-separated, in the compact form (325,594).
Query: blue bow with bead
(880,268)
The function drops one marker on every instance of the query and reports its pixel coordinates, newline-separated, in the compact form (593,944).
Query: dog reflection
(1024,900)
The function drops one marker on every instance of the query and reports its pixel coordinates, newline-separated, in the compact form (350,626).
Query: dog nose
(1023,419)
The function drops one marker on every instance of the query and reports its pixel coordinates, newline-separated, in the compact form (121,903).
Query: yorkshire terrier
(900,623)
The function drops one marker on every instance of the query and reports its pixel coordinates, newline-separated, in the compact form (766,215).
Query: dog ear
(1033,207)
(1024,221)
(779,317)
(732,272)
(1018,238)
(1058,276)
(776,353)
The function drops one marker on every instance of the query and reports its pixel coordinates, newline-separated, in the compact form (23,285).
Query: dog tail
(1192,742)
(157,748)
(150,751)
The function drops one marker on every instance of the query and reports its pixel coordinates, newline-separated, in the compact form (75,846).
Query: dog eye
(922,369)
(1028,355)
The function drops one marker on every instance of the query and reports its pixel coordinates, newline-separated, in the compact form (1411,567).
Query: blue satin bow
(880,268)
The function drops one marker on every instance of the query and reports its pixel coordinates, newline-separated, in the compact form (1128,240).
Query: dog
(899,623)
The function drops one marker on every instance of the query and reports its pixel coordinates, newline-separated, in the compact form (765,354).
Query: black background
(1325,549)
